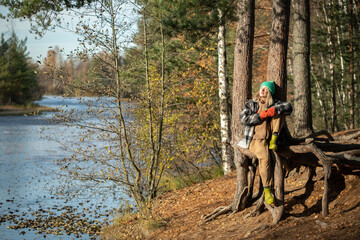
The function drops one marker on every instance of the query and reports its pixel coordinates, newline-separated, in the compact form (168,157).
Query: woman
(263,118)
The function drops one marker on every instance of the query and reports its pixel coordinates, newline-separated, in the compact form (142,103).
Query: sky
(38,48)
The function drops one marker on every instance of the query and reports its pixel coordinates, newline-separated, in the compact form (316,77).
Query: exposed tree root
(220,210)
(257,209)
(310,152)
(347,135)
(323,132)
(217,212)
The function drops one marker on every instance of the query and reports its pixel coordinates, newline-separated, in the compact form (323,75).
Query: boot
(272,144)
(269,199)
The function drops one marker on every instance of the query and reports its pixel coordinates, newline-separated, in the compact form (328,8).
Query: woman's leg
(261,149)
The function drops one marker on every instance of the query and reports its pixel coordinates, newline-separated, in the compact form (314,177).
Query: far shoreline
(35,109)
(11,110)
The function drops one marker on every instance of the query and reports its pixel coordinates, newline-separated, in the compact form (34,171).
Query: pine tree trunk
(226,151)
(276,70)
(301,68)
(242,87)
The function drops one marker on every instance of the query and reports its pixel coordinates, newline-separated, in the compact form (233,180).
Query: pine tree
(17,78)
(301,68)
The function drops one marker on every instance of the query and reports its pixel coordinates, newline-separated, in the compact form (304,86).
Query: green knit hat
(270,85)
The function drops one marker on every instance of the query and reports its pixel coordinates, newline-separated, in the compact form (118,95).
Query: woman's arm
(283,108)
(249,116)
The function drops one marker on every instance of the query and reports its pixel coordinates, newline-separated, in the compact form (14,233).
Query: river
(29,178)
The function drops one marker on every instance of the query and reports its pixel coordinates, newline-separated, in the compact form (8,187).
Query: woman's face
(264,91)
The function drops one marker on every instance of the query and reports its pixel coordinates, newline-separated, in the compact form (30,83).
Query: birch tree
(198,23)
(226,150)
(276,67)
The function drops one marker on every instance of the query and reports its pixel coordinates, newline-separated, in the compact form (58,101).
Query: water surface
(29,175)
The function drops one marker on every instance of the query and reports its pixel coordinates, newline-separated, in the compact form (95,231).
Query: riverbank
(17,110)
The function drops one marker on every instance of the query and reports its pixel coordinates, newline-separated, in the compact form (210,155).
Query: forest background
(170,68)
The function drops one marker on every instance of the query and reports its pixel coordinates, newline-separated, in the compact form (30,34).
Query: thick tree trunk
(226,151)
(277,73)
(242,82)
(301,68)
(276,70)
(241,92)
(242,87)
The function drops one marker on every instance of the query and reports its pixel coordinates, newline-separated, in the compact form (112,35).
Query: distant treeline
(18,83)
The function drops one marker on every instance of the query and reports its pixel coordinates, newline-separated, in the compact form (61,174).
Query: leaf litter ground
(182,209)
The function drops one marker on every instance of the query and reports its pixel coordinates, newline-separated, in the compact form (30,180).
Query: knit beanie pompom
(270,85)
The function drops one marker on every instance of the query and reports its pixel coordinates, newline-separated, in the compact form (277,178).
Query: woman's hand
(263,114)
(267,113)
(270,112)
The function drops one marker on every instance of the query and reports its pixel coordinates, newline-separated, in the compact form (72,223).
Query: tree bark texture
(301,69)
(242,82)
(226,151)
(242,65)
(276,70)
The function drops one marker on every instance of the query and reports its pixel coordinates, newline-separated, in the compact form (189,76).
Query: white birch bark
(226,151)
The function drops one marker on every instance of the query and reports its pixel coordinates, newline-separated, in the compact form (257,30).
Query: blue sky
(38,48)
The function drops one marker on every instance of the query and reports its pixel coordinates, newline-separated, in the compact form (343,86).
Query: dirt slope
(183,208)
